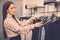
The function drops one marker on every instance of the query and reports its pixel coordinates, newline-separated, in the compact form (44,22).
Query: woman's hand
(39,24)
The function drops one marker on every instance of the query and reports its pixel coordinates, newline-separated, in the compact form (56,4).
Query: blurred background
(27,8)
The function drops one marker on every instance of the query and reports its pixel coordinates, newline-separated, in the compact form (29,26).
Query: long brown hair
(4,11)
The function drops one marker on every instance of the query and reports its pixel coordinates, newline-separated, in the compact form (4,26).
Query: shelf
(36,7)
(49,2)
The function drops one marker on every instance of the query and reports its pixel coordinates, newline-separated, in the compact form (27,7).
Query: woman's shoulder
(7,20)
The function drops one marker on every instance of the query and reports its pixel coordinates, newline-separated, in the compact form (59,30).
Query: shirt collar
(9,15)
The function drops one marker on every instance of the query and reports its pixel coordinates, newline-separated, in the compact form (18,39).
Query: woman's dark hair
(4,11)
(5,8)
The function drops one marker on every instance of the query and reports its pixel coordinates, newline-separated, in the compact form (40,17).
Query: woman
(13,26)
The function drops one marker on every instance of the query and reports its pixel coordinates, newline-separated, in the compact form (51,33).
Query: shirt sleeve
(30,21)
(30,27)
(27,22)
(22,23)
(11,25)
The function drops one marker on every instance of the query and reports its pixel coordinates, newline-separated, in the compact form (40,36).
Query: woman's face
(11,9)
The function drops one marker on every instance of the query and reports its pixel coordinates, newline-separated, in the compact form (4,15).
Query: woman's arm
(35,17)
(30,21)
(13,26)
(32,26)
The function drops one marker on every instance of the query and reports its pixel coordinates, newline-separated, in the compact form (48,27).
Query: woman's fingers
(39,24)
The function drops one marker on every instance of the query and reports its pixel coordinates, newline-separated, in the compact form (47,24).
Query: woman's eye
(13,8)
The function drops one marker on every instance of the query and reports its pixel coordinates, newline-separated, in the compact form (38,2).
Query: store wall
(31,2)
(58,0)
(1,31)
